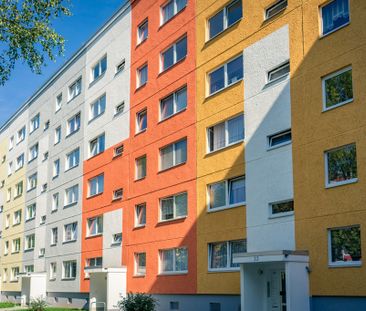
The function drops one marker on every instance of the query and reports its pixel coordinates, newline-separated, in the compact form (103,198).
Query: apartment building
(209,153)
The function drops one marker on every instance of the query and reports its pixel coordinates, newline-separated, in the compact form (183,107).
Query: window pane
(181,205)
(181,49)
(168,11)
(338,89)
(234,13)
(237,190)
(103,64)
(167,108)
(181,99)
(342,164)
(217,80)
(218,255)
(217,136)
(168,58)
(167,260)
(217,195)
(236,129)
(282,207)
(236,248)
(142,120)
(181,4)
(279,72)
(180,152)
(216,23)
(235,70)
(167,211)
(345,244)
(181,259)
(166,155)
(335,15)
(279,139)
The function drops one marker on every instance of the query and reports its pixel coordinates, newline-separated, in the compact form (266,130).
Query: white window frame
(137,177)
(227,194)
(118,151)
(68,264)
(175,60)
(116,239)
(97,141)
(55,201)
(175,271)
(30,212)
(21,135)
(119,109)
(91,263)
(278,68)
(138,115)
(284,214)
(173,197)
(69,130)
(6,247)
(161,169)
(274,6)
(53,271)
(71,156)
(20,162)
(99,188)
(58,103)
(120,66)
(15,246)
(278,134)
(97,103)
(99,229)
(54,236)
(175,11)
(145,23)
(18,191)
(58,134)
(99,65)
(32,182)
(15,271)
(327,77)
(72,94)
(30,242)
(17,217)
(117,194)
(75,195)
(228,256)
(74,233)
(33,152)
(136,265)
(56,168)
(175,109)
(321,19)
(137,223)
(34,123)
(138,75)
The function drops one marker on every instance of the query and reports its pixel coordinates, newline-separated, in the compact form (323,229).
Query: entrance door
(276,290)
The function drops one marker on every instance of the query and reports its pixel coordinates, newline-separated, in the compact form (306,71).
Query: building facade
(209,153)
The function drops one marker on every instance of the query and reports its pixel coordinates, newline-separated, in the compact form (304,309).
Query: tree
(26,33)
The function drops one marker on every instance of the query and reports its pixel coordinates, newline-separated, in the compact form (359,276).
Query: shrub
(38,304)
(137,302)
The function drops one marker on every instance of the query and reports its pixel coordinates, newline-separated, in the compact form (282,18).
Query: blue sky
(88,16)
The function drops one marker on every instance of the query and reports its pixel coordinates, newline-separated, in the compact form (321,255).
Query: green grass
(7,305)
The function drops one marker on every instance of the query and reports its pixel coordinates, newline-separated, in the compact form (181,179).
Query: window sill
(137,227)
(56,143)
(223,208)
(97,79)
(68,279)
(17,197)
(223,148)
(167,221)
(72,133)
(70,204)
(70,168)
(172,167)
(213,39)
(172,66)
(140,179)
(94,195)
(345,264)
(140,132)
(138,276)
(52,280)
(71,99)
(29,190)
(280,215)
(172,115)
(96,117)
(29,219)
(53,244)
(93,236)
(140,86)
(30,161)
(141,42)
(276,81)
(116,199)
(13,281)
(279,146)
(341,183)
(325,109)
(68,242)
(28,250)
(116,244)
(333,31)
(173,17)
(17,252)
(55,177)
(223,89)
(223,270)
(95,155)
(17,224)
(172,273)
(54,210)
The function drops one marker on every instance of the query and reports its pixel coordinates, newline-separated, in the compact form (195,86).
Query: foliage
(38,304)
(339,88)
(137,302)
(347,240)
(26,33)
(7,305)
(342,164)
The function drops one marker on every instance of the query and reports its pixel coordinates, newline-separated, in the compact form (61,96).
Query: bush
(38,304)
(137,302)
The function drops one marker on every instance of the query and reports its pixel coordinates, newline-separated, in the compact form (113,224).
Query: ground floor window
(140,263)
(174,260)
(221,254)
(69,269)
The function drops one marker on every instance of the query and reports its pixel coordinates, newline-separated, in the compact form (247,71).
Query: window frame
(161,169)
(97,103)
(274,6)
(98,64)
(136,265)
(32,156)
(145,23)
(75,117)
(54,236)
(324,95)
(140,113)
(175,11)
(58,102)
(21,135)
(34,123)
(98,145)
(175,60)
(174,271)
(71,263)
(137,224)
(99,228)
(276,69)
(30,242)
(72,156)
(228,256)
(30,215)
(137,177)
(53,271)
(321,7)
(283,214)
(67,190)
(175,109)
(71,96)
(138,75)
(99,188)
(58,135)
(32,181)
(64,240)
(278,134)
(175,217)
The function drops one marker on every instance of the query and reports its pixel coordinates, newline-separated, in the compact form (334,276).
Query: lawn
(7,305)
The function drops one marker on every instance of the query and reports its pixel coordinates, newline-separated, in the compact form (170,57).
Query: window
(15,248)
(71,195)
(14,274)
(227,193)
(341,165)
(17,217)
(55,201)
(73,124)
(32,182)
(278,72)
(141,121)
(54,236)
(46,125)
(119,109)
(334,15)
(33,152)
(8,195)
(100,68)
(58,102)
(344,246)
(120,66)
(7,221)
(282,208)
(41,252)
(174,54)
(34,124)
(173,154)
(276,8)
(56,168)
(69,269)
(221,254)
(279,139)
(116,238)
(226,75)
(118,151)
(20,162)
(118,194)
(173,103)
(96,185)
(141,76)
(95,226)
(53,270)
(29,268)
(140,215)
(173,207)
(18,189)
(70,232)
(171,8)
(141,167)
(90,263)
(11,142)
(142,31)
(223,19)
(174,260)
(140,263)
(75,89)
(72,159)
(97,145)
(10,168)
(174,305)
(98,107)
(21,135)
(57,135)
(29,242)
(43,220)
(6,247)
(5,275)
(337,89)
(30,212)
(226,133)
